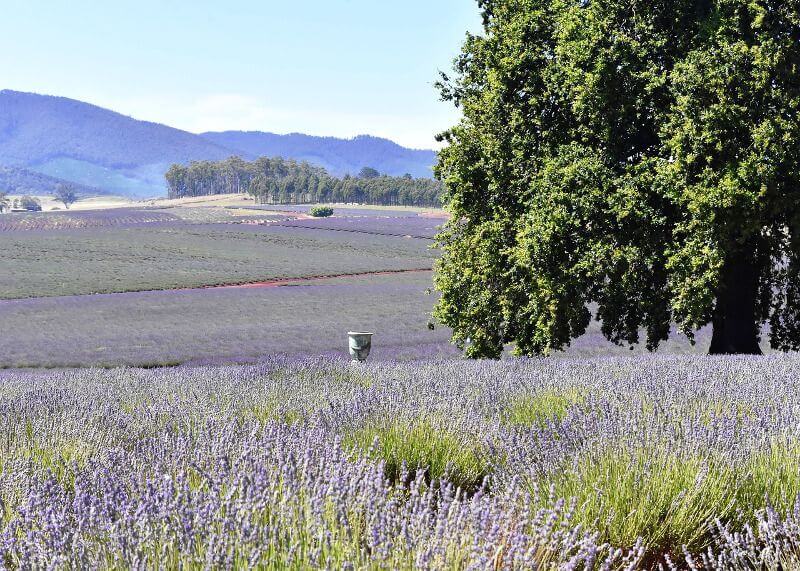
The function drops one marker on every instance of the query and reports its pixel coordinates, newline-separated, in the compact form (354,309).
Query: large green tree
(636,161)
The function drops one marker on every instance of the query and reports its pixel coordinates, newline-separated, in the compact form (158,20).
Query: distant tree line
(282,181)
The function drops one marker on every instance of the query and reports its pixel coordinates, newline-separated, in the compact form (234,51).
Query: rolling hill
(92,146)
(23,181)
(65,139)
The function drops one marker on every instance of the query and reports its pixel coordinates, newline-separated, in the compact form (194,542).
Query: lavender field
(112,253)
(246,438)
(223,325)
(680,462)
(349,210)
(128,286)
(112,217)
(398,226)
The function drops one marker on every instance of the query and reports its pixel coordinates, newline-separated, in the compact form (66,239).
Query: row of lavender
(402,226)
(392,223)
(113,217)
(612,464)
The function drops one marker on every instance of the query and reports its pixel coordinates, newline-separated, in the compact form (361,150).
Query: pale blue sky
(335,67)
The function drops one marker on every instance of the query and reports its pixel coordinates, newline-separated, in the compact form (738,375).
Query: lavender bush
(648,462)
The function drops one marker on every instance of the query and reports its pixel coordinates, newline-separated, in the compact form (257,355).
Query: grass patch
(421,445)
(672,500)
(271,411)
(773,473)
(59,457)
(540,408)
(667,500)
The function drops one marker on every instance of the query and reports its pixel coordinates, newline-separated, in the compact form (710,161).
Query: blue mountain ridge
(96,148)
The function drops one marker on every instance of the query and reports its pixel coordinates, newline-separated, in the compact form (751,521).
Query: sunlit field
(464,285)
(598,463)
(224,325)
(135,250)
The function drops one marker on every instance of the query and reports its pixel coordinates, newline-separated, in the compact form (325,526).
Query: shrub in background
(321,211)
(409,446)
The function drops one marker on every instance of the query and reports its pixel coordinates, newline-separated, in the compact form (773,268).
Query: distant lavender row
(341,210)
(406,226)
(241,325)
(247,466)
(83,219)
(174,255)
(223,325)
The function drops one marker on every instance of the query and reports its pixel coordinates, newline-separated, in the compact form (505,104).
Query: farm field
(399,226)
(223,325)
(126,217)
(53,262)
(612,463)
(362,210)
(230,325)
(113,217)
(103,202)
(152,250)
(128,286)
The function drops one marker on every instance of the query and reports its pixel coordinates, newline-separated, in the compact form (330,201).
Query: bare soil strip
(280,282)
(277,282)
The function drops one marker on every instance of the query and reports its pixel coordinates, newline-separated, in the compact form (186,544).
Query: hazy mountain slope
(97,148)
(23,181)
(35,128)
(338,156)
(91,145)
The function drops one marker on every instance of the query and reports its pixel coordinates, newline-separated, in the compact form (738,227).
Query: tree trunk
(734,320)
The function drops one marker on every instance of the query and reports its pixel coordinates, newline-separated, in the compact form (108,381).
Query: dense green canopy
(637,157)
(278,180)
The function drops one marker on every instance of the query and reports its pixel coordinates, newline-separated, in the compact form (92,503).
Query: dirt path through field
(299,281)
(277,282)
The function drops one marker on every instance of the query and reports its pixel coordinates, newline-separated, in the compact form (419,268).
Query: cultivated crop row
(402,226)
(613,464)
(88,219)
